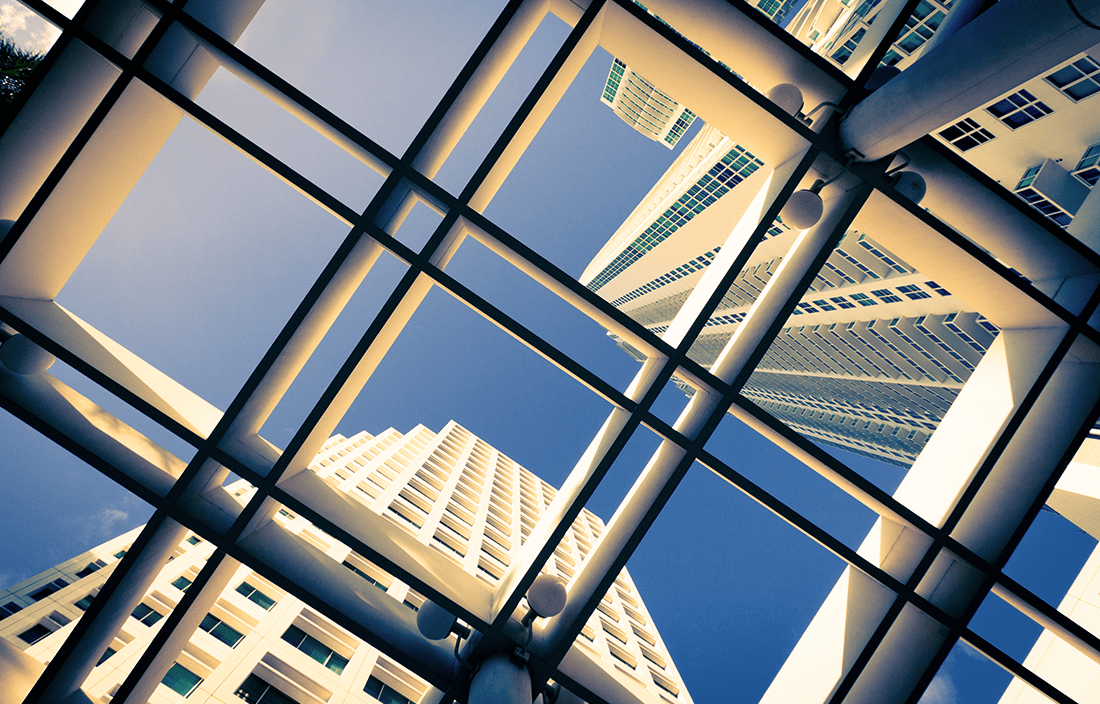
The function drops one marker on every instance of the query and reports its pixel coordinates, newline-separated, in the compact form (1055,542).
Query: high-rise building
(835,28)
(872,356)
(124,74)
(776,10)
(645,107)
(875,352)
(450,490)
(1041,139)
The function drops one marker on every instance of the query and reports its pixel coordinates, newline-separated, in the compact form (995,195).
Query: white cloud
(27,29)
(941,690)
(101,525)
(9,578)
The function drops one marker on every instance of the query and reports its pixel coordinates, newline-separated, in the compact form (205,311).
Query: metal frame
(409,177)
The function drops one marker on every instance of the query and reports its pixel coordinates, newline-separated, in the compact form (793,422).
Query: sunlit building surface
(122,76)
(1051,164)
(644,107)
(872,356)
(455,493)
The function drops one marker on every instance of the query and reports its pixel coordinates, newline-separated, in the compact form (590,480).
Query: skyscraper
(834,28)
(123,75)
(872,356)
(1050,164)
(450,490)
(875,352)
(645,107)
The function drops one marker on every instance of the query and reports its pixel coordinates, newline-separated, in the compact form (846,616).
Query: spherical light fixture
(803,209)
(787,97)
(22,356)
(910,184)
(433,621)
(547,596)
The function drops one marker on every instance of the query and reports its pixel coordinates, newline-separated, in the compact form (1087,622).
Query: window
(181,680)
(105,656)
(147,614)
(937,288)
(8,609)
(920,27)
(255,595)
(255,691)
(842,302)
(364,575)
(1087,169)
(886,296)
(1045,206)
(1019,109)
(913,292)
(92,567)
(84,603)
(1078,80)
(315,649)
(51,588)
(34,634)
(966,134)
(845,52)
(120,554)
(384,693)
(1028,177)
(181,583)
(221,630)
(194,539)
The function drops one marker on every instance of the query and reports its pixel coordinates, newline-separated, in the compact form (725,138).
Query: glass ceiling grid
(431,263)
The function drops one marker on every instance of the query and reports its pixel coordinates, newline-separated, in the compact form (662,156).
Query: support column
(72,665)
(1010,43)
(939,479)
(499,680)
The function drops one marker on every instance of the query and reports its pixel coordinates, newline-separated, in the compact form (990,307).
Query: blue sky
(211,253)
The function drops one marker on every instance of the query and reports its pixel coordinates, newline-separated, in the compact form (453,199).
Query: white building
(450,490)
(644,107)
(871,357)
(875,352)
(120,79)
(1041,140)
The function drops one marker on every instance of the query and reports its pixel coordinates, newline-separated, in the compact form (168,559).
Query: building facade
(451,490)
(871,357)
(1041,140)
(120,79)
(875,352)
(645,107)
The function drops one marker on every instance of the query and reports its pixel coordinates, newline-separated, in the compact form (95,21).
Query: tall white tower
(449,490)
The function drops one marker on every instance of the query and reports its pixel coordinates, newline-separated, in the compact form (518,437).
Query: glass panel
(967,676)
(255,595)
(216,294)
(181,680)
(768,578)
(387,49)
(290,140)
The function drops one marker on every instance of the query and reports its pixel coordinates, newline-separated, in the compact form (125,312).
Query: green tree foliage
(16,67)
